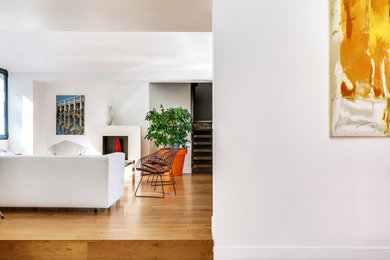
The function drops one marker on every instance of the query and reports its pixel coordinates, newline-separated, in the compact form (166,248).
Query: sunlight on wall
(27,124)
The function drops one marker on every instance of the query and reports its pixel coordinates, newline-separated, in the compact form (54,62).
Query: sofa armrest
(116,173)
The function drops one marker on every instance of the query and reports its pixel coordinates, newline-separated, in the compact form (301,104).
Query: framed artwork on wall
(359,67)
(70,114)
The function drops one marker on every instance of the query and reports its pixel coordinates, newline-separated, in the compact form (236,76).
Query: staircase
(202,147)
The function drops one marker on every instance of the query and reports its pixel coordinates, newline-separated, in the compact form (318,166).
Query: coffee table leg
(133,176)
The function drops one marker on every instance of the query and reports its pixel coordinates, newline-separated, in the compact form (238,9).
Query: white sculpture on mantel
(109,117)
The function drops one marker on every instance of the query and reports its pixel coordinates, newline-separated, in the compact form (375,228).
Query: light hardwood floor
(142,227)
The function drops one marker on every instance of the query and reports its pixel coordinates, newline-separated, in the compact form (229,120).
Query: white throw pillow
(67,148)
(5,152)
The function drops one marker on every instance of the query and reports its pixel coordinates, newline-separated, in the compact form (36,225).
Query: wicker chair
(157,165)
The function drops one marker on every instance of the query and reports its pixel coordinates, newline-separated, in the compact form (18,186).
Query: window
(3,104)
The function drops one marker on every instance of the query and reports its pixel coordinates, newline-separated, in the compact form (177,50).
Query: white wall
(4,144)
(21,95)
(172,95)
(282,188)
(129,101)
(20,102)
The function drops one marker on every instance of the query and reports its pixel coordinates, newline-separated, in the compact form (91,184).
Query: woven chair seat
(157,165)
(154,170)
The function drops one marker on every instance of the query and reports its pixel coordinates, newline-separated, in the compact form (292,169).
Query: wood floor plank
(106,249)
(176,227)
(43,250)
(186,216)
(151,249)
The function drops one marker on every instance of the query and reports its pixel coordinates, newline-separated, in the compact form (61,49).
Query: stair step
(203,143)
(202,150)
(203,136)
(202,130)
(203,166)
(202,158)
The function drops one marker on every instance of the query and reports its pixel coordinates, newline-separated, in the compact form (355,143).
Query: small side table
(132,164)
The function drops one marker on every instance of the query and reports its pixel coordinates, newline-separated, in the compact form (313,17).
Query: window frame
(6,133)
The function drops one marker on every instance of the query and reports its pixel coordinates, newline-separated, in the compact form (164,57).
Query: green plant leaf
(169,127)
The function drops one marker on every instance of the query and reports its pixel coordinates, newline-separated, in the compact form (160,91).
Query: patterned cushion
(67,148)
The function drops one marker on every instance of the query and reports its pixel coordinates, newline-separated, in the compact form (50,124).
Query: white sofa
(69,182)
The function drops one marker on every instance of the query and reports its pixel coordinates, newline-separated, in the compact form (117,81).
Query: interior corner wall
(171,95)
(129,101)
(283,189)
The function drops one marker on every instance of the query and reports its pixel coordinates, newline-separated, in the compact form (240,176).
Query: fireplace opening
(110,144)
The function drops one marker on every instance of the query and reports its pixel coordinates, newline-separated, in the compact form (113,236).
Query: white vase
(109,117)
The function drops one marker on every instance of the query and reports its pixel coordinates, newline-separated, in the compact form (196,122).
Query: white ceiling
(106,15)
(105,35)
(104,51)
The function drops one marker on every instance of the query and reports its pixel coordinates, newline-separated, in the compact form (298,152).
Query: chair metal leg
(162,186)
(145,196)
(154,185)
(174,188)
(139,183)
(158,183)
(162,183)
(1,215)
(173,183)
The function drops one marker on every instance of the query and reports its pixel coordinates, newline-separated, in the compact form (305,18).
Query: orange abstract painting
(359,67)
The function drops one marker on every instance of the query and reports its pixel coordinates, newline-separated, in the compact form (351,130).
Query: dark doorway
(202,138)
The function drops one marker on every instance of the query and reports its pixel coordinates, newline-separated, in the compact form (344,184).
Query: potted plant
(170,128)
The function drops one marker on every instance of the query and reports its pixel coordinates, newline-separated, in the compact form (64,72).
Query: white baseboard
(312,253)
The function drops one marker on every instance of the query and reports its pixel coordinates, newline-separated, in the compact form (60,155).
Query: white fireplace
(133,134)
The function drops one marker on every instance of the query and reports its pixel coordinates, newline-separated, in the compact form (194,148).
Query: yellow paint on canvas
(364,50)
